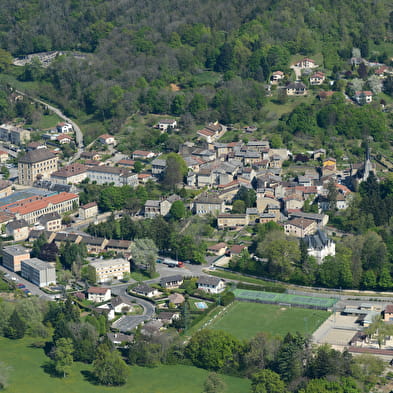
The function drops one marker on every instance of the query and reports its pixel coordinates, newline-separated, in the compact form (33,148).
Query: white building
(211,284)
(38,272)
(116,175)
(110,269)
(64,128)
(99,294)
(320,246)
(164,124)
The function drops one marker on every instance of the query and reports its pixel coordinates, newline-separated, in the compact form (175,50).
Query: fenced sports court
(319,303)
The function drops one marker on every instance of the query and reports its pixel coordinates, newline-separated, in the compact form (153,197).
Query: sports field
(273,297)
(244,320)
(28,376)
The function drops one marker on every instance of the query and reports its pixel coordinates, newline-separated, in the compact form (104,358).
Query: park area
(27,375)
(244,319)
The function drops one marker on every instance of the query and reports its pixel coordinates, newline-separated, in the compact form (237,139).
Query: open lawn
(28,375)
(244,320)
(46,122)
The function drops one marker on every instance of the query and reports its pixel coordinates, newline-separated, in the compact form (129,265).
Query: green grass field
(245,320)
(28,375)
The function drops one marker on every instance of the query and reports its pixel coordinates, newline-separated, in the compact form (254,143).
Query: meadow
(27,375)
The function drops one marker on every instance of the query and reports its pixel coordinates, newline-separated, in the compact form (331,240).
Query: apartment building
(112,269)
(13,134)
(13,256)
(38,272)
(36,165)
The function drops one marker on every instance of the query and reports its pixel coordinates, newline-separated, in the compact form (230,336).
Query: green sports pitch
(285,299)
(245,319)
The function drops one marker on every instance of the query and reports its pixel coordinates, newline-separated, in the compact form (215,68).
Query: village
(236,186)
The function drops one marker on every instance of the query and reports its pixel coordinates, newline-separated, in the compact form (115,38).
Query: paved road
(30,286)
(130,322)
(58,112)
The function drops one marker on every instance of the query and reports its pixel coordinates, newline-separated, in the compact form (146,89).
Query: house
(88,210)
(218,249)
(3,156)
(126,163)
(64,128)
(323,95)
(107,139)
(96,245)
(58,238)
(320,219)
(152,328)
(171,281)
(142,155)
(63,139)
(296,89)
(211,132)
(167,317)
(145,290)
(208,203)
(155,208)
(329,162)
(119,246)
(51,221)
(121,305)
(388,313)
(236,249)
(120,339)
(99,294)
(300,227)
(176,299)
(13,256)
(158,166)
(5,218)
(38,272)
(5,188)
(319,245)
(317,79)
(363,97)
(305,63)
(18,229)
(144,178)
(293,202)
(164,124)
(233,221)
(211,284)
(277,76)
(91,155)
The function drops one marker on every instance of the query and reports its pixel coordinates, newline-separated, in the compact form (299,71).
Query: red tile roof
(98,290)
(28,207)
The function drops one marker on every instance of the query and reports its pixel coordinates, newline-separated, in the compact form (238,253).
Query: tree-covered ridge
(137,49)
(39,25)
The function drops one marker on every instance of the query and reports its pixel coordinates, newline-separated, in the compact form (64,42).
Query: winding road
(130,322)
(58,112)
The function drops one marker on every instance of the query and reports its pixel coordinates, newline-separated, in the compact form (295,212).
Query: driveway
(129,322)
